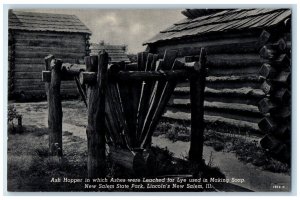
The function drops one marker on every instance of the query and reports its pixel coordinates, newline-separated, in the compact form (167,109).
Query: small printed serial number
(279,186)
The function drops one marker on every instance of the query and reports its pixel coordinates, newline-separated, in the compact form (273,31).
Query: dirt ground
(257,178)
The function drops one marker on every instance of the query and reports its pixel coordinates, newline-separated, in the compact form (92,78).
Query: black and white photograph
(191,99)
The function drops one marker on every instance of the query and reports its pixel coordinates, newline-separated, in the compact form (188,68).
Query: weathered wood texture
(29,50)
(96,119)
(277,106)
(197,85)
(55,109)
(240,75)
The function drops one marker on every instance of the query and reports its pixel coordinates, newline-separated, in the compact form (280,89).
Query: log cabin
(33,36)
(117,53)
(248,71)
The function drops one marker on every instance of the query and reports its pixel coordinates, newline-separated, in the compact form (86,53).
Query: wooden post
(197,85)
(96,119)
(55,109)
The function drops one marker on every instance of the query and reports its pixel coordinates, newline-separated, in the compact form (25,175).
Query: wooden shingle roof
(117,53)
(223,21)
(31,21)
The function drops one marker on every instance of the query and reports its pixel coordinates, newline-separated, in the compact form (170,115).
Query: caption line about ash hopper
(146,183)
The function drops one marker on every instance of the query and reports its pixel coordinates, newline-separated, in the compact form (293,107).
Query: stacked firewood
(277,105)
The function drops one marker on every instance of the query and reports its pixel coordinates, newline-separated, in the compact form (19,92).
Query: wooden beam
(197,85)
(55,109)
(132,161)
(152,75)
(88,78)
(96,119)
(266,105)
(267,125)
(267,71)
(282,96)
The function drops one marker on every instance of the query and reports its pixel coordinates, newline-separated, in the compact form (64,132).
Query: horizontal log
(41,86)
(231,82)
(227,43)
(152,75)
(234,60)
(212,120)
(29,54)
(24,82)
(237,71)
(39,60)
(132,161)
(50,43)
(38,92)
(46,76)
(29,67)
(109,51)
(33,36)
(45,35)
(241,95)
(239,92)
(27,75)
(57,49)
(228,107)
(229,110)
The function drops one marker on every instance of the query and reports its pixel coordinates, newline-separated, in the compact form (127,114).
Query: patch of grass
(30,168)
(246,150)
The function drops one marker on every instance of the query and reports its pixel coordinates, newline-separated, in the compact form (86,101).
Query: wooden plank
(145,96)
(159,98)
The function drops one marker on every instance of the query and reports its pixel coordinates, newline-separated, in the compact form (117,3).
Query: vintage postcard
(145,100)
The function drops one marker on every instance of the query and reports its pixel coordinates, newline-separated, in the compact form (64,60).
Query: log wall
(234,84)
(28,50)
